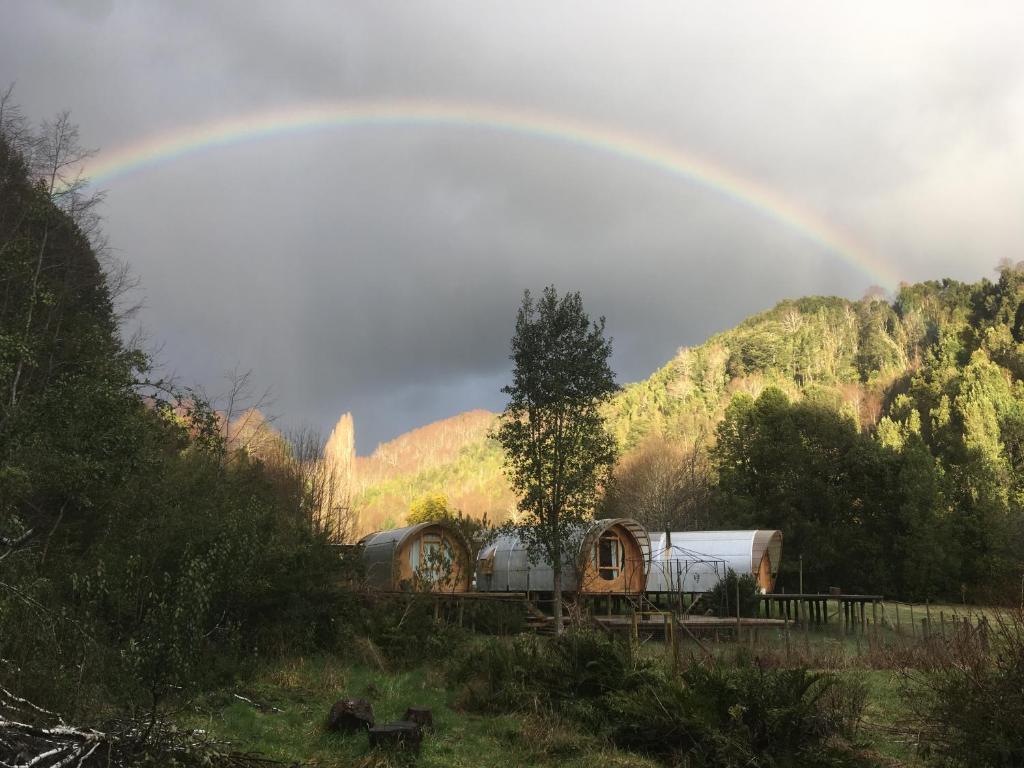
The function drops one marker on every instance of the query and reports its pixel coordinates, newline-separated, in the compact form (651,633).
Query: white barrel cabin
(695,561)
(609,556)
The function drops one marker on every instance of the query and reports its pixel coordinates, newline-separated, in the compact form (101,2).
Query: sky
(376,267)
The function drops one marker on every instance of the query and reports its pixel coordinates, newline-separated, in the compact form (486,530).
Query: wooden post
(738,625)
(913,626)
(898,630)
(928,614)
(874,617)
(942,623)
(635,628)
(675,644)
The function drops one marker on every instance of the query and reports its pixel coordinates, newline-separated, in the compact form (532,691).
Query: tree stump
(350,715)
(423,717)
(401,735)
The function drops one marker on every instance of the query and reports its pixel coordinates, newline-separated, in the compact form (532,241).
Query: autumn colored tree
(429,508)
(558,452)
(665,484)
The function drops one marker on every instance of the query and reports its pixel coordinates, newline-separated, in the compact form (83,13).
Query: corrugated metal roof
(509,568)
(694,561)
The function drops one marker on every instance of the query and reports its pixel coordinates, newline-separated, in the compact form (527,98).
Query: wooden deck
(697,622)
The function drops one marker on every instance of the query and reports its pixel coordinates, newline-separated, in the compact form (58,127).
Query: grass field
(291,700)
(304,690)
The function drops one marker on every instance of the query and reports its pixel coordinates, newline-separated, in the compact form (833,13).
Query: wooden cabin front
(613,562)
(429,557)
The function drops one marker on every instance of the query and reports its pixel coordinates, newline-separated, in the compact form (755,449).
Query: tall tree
(557,451)
(665,484)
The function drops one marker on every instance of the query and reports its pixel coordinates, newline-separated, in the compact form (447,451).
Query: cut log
(402,735)
(350,715)
(423,717)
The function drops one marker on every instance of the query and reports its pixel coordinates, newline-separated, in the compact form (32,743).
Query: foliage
(664,484)
(718,715)
(529,672)
(557,451)
(140,552)
(722,598)
(715,714)
(429,508)
(970,703)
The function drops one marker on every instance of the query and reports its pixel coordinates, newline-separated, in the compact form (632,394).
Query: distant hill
(854,356)
(452,455)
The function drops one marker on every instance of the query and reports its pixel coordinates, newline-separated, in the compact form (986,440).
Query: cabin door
(764,573)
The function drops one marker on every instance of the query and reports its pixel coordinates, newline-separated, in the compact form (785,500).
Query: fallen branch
(256,704)
(34,737)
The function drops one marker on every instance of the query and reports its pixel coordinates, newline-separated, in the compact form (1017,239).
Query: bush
(731,716)
(970,702)
(721,715)
(404,628)
(722,598)
(530,673)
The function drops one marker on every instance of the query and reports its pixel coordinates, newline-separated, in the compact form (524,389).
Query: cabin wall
(459,578)
(504,566)
(632,575)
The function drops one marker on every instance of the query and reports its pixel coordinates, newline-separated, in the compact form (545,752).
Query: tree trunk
(556,574)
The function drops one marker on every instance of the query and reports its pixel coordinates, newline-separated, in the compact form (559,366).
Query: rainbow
(162,148)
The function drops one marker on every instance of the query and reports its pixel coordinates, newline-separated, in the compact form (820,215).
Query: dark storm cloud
(378,270)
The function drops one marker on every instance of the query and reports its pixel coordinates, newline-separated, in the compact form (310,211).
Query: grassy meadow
(283,713)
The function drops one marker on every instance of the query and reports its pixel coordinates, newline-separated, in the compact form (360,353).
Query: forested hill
(884,422)
(832,350)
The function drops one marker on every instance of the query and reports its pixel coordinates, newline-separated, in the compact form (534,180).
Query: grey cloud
(378,270)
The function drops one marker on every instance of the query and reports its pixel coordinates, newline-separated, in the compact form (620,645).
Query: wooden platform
(813,609)
(698,622)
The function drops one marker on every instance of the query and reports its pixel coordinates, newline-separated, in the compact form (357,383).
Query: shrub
(722,598)
(530,673)
(969,704)
(720,715)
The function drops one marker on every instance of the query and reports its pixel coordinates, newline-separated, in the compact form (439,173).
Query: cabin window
(431,546)
(487,562)
(608,556)
(431,557)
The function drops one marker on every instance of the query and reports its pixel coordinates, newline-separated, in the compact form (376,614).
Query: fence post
(738,625)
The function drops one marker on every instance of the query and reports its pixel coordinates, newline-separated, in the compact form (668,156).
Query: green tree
(429,508)
(558,452)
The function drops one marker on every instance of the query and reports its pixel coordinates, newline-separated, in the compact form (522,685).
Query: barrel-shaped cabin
(695,561)
(608,556)
(429,557)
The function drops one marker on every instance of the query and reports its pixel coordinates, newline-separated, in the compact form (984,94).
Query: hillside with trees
(871,431)
(142,532)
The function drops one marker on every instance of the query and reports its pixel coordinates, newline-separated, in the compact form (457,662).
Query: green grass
(304,690)
(884,715)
